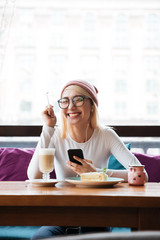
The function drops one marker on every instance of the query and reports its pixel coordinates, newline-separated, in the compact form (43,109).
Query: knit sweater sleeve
(122,154)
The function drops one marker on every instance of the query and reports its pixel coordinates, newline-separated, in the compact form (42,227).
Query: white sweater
(98,149)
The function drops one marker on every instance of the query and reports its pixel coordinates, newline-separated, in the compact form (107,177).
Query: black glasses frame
(83,97)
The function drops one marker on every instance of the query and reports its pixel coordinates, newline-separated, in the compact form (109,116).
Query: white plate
(41,182)
(109,182)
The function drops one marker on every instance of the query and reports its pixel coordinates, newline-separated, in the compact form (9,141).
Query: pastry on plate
(93,176)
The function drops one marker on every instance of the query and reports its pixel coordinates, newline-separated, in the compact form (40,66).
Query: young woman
(80,129)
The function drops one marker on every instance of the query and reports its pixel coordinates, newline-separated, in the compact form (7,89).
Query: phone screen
(77,153)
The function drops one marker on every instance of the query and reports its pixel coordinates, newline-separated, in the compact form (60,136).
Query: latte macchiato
(46,160)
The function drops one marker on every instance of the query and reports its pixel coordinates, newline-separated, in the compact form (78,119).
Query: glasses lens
(78,101)
(63,103)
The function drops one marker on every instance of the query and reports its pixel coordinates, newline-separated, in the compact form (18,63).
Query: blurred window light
(121,86)
(152,109)
(152,86)
(152,64)
(58,16)
(122,31)
(114,45)
(153,31)
(121,64)
(121,109)
(90,22)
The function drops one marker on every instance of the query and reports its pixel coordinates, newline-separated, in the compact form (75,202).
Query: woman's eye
(79,99)
(64,101)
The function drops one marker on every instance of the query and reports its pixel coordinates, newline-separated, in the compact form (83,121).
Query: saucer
(43,183)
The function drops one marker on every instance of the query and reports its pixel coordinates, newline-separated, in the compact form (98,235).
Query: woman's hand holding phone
(83,166)
(49,116)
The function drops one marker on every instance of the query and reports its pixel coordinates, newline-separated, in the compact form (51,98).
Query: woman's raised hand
(86,166)
(49,116)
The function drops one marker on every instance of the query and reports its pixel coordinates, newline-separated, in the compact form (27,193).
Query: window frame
(121,130)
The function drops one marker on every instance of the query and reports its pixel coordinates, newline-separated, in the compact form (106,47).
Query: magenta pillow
(14,163)
(152,166)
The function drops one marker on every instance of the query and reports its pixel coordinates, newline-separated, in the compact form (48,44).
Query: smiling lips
(73,115)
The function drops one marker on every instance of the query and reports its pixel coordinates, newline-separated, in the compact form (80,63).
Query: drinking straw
(47,98)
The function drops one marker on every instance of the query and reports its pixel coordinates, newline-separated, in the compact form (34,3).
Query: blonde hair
(94,122)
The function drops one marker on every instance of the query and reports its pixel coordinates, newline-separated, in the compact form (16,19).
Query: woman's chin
(73,121)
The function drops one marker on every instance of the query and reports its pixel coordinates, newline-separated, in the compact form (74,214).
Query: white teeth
(73,114)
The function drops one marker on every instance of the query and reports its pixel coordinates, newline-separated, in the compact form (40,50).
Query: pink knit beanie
(91,89)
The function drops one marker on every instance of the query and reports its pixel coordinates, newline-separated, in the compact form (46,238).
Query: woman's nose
(71,105)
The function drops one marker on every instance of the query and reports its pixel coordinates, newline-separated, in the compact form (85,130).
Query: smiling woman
(80,130)
(89,93)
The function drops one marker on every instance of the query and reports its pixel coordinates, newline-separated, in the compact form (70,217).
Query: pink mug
(136,175)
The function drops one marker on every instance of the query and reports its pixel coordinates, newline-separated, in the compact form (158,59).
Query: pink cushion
(14,163)
(152,165)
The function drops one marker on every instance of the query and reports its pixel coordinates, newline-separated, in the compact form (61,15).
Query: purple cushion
(14,163)
(152,166)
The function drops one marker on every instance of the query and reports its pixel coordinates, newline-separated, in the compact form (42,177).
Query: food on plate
(93,176)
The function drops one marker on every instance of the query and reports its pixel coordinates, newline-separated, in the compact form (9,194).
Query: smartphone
(77,153)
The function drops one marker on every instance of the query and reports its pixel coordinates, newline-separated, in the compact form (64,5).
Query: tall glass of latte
(46,162)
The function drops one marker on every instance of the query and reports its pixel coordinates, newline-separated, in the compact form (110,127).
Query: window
(58,16)
(152,87)
(121,86)
(152,109)
(113,44)
(152,64)
(24,27)
(153,31)
(25,106)
(121,109)
(121,31)
(121,64)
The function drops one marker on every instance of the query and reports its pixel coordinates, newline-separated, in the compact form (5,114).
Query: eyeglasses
(77,101)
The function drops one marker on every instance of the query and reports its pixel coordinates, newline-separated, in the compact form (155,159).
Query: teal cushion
(116,229)
(114,163)
(17,232)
